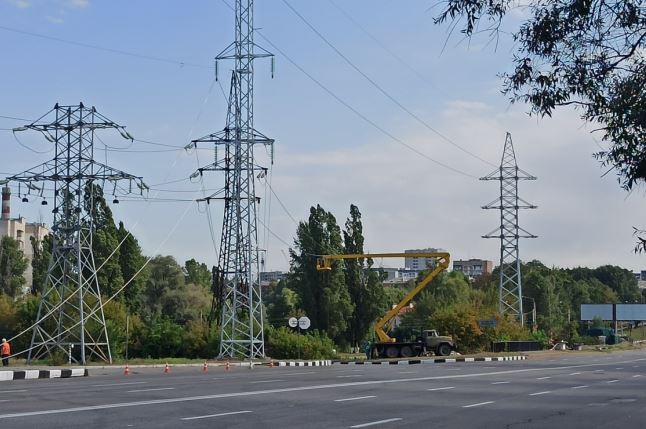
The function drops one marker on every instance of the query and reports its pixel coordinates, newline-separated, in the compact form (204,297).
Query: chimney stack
(6,203)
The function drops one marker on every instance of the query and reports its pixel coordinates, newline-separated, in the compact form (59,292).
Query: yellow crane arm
(325,263)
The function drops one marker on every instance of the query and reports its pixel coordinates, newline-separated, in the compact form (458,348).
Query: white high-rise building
(418,264)
(21,231)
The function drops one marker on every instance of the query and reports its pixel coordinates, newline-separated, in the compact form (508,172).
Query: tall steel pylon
(70,313)
(508,174)
(237,298)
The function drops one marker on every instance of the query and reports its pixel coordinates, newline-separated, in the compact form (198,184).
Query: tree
(165,275)
(42,252)
(12,267)
(198,273)
(131,261)
(584,53)
(363,283)
(324,295)
(105,241)
(282,304)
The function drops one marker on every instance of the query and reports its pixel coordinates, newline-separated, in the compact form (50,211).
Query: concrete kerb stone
(33,374)
(434,360)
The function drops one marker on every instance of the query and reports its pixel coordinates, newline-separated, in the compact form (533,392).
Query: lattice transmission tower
(237,299)
(70,313)
(508,174)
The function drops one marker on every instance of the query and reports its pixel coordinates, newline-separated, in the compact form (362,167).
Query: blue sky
(324,153)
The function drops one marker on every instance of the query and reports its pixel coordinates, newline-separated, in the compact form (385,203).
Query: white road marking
(635,366)
(288,389)
(216,415)
(119,384)
(540,393)
(637,375)
(378,422)
(408,372)
(264,381)
(13,391)
(597,404)
(579,387)
(478,404)
(621,367)
(150,390)
(543,378)
(575,373)
(440,388)
(354,399)
(349,376)
(500,382)
(612,381)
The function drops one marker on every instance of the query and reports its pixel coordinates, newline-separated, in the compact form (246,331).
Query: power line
(382,90)
(14,118)
(385,48)
(283,206)
(359,114)
(102,48)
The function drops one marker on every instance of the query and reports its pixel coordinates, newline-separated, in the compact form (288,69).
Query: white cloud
(55,20)
(78,4)
(22,4)
(409,202)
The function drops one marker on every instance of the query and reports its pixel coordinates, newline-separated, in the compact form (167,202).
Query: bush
(284,343)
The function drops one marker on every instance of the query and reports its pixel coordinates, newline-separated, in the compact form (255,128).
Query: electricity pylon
(70,313)
(237,298)
(508,174)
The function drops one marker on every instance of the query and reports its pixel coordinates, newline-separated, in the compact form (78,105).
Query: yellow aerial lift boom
(387,346)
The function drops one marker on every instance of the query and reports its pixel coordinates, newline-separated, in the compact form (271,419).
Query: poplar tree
(323,294)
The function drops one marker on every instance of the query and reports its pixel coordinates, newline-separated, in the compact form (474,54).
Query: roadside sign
(292,322)
(304,322)
(491,323)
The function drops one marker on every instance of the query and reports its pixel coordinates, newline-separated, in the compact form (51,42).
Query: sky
(370,104)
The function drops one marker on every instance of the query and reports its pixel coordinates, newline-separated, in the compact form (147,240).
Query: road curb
(33,374)
(303,363)
(434,360)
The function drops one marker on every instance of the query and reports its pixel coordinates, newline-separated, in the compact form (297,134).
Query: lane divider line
(216,415)
(378,422)
(478,404)
(358,398)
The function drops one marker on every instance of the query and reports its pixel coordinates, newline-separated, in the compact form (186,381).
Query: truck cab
(440,345)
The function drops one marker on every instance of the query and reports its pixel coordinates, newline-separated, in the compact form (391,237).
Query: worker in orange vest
(5,352)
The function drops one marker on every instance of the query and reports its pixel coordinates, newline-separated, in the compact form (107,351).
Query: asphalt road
(567,390)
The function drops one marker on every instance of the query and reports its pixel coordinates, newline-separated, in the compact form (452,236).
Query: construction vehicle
(387,347)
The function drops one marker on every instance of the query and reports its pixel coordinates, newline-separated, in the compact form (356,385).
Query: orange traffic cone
(227,366)
(166,368)
(205,367)
(126,370)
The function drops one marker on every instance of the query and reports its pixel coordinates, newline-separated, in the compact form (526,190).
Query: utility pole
(70,312)
(508,174)
(237,299)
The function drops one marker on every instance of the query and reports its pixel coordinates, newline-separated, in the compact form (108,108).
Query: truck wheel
(406,351)
(392,352)
(376,352)
(444,349)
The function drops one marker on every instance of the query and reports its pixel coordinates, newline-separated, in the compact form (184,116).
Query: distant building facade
(418,264)
(396,276)
(21,231)
(266,277)
(473,268)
